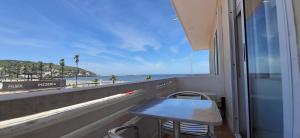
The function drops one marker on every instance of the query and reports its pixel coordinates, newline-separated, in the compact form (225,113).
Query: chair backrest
(189,95)
(114,133)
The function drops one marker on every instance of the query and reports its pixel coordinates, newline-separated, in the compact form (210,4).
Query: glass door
(264,72)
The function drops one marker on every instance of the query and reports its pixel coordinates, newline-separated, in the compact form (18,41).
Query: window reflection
(264,73)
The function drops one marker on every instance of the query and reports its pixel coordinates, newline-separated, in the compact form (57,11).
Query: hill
(16,68)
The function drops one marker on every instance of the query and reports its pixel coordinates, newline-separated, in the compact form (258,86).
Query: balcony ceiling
(198,18)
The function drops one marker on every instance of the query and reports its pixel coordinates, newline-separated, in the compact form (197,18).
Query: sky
(122,37)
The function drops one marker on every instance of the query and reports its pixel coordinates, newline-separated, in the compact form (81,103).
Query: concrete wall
(84,113)
(227,62)
(36,102)
(222,84)
(89,119)
(205,83)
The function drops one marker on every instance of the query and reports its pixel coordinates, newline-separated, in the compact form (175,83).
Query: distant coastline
(105,80)
(19,69)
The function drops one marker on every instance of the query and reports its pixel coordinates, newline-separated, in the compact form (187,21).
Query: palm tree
(32,71)
(18,70)
(51,70)
(113,78)
(149,77)
(5,71)
(96,81)
(1,74)
(76,58)
(62,64)
(26,72)
(41,66)
(10,71)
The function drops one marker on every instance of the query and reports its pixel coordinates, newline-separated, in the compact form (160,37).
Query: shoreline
(89,81)
(69,85)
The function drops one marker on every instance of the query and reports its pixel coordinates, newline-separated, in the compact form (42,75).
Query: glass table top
(187,110)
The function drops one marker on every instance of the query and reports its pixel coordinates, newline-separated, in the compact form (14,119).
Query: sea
(131,78)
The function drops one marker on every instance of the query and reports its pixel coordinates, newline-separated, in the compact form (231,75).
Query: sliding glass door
(264,72)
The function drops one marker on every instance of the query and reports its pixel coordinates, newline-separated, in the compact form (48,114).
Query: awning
(198,18)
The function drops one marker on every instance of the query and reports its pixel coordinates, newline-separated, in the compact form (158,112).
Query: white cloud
(95,47)
(23,41)
(90,47)
(140,59)
(174,49)
(8,30)
(130,38)
(123,68)
(137,37)
(35,34)
(143,66)
(133,40)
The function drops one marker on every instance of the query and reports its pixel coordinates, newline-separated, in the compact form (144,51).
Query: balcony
(91,112)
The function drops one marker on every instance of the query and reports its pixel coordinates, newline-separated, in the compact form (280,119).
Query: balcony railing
(87,112)
(69,112)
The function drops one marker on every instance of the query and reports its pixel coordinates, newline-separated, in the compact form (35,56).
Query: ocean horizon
(132,78)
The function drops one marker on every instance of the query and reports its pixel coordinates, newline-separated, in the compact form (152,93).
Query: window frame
(290,67)
(216,54)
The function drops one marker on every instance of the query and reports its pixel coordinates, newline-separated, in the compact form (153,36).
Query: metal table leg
(176,128)
(211,131)
(159,128)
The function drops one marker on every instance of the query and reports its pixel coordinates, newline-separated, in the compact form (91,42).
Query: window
(215,68)
(264,69)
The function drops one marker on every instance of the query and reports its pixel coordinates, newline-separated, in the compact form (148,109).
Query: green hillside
(10,67)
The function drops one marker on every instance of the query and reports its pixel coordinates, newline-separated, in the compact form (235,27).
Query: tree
(113,78)
(18,70)
(5,72)
(26,72)
(62,65)
(10,71)
(33,69)
(76,58)
(51,70)
(96,81)
(41,66)
(149,77)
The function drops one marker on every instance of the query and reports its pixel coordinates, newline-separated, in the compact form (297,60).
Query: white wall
(227,65)
(202,83)
(220,84)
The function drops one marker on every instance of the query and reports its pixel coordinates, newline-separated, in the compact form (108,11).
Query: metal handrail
(189,93)
(113,133)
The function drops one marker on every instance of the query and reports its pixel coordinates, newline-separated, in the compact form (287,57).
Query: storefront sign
(27,85)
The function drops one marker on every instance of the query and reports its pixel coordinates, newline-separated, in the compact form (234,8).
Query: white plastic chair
(186,128)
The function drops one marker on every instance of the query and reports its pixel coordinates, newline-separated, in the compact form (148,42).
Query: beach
(87,83)
(90,82)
